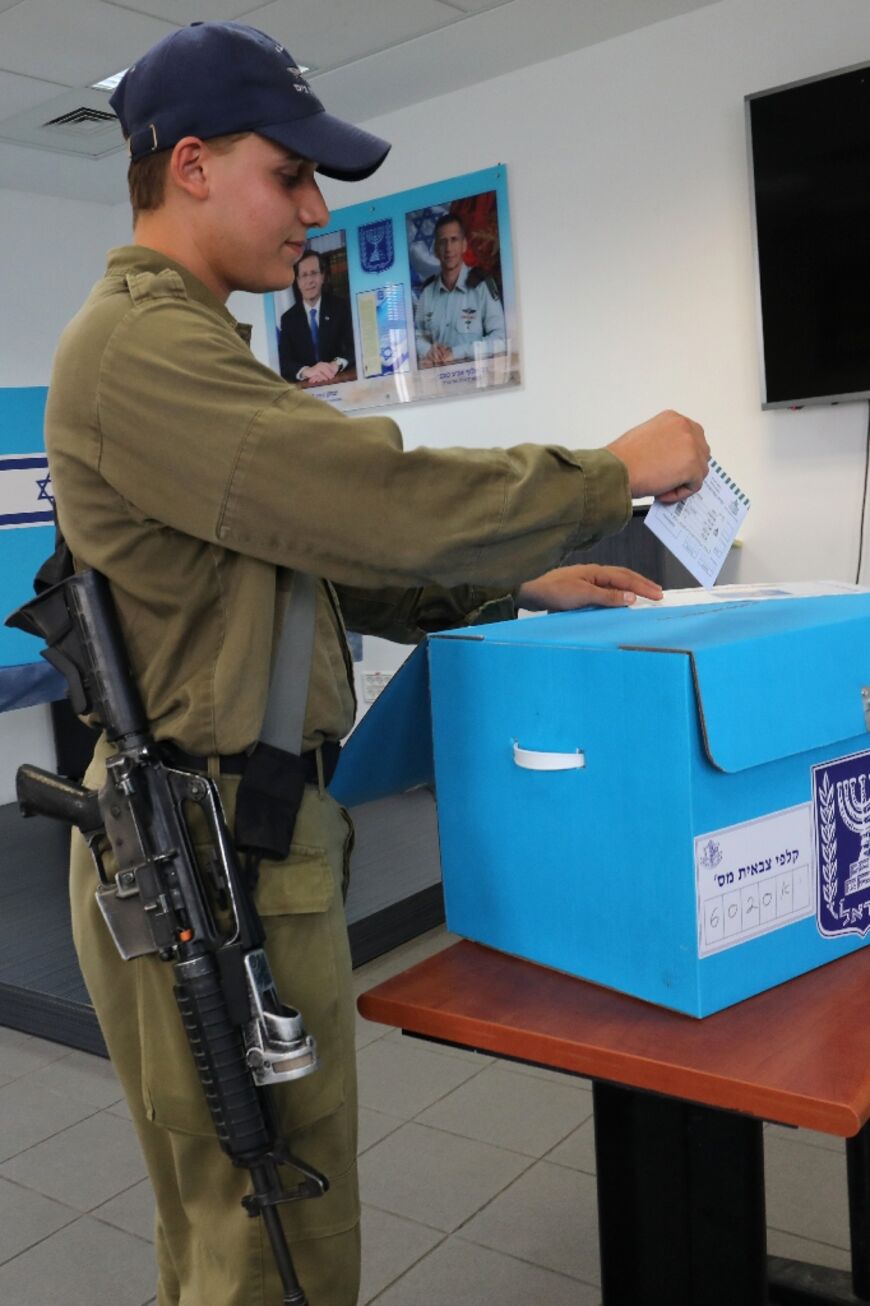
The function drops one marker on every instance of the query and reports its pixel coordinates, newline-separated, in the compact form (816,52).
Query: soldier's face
(263,201)
(309,279)
(450,246)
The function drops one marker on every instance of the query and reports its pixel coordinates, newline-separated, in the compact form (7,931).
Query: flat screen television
(810,168)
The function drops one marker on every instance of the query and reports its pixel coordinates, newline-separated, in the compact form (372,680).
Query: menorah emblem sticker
(376,246)
(841,808)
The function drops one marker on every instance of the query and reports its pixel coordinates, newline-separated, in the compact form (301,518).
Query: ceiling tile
(352,31)
(20,93)
(488,44)
(72,42)
(78,121)
(76,42)
(182,12)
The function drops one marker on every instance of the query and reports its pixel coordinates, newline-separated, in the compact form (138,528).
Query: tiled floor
(477,1178)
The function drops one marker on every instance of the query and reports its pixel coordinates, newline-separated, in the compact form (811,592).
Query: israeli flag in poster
(26,540)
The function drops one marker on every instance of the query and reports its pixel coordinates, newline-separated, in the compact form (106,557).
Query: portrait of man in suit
(315,344)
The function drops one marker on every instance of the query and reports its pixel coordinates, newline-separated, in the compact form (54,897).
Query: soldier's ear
(187,167)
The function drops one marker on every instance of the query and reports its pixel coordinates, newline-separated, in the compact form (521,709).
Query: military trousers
(209,1251)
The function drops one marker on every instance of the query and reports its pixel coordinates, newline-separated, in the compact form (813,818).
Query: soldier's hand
(586,585)
(667,457)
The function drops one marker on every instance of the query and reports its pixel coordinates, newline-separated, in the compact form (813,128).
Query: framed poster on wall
(404,298)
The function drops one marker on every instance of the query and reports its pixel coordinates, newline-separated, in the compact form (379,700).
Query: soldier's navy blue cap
(214,79)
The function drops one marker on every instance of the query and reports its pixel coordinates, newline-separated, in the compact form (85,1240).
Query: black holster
(268,800)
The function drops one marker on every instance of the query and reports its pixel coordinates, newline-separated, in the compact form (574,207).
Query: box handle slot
(531,759)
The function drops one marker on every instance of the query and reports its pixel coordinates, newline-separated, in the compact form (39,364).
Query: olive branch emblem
(828,831)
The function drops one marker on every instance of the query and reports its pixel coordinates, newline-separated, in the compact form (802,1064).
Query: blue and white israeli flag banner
(25,491)
(26,540)
(841,812)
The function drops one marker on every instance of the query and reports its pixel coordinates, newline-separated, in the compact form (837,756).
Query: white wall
(631,226)
(629,196)
(52,253)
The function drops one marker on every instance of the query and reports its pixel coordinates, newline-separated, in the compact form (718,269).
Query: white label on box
(753,878)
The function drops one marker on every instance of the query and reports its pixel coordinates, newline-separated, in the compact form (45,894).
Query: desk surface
(798,1054)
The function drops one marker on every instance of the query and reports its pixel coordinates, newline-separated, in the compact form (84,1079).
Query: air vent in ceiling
(82,119)
(75,122)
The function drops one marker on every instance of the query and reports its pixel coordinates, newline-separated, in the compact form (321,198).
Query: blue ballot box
(674,803)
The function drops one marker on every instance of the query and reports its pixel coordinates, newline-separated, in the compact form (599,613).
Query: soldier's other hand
(586,585)
(667,457)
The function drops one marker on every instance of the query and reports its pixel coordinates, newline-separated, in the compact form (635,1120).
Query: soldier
(197,480)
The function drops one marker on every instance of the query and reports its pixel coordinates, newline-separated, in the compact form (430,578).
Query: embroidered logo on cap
(299,82)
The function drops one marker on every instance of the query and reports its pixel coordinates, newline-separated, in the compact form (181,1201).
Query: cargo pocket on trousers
(298,902)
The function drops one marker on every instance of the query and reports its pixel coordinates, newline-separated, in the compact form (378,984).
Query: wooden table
(679,1105)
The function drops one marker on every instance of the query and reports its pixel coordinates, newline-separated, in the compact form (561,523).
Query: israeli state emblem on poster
(841,807)
(376,251)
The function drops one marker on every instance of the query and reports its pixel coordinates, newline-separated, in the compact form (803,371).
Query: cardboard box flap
(776,679)
(772,678)
(672,627)
(782,694)
(390,751)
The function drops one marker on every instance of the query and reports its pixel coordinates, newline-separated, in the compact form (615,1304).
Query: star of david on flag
(25,494)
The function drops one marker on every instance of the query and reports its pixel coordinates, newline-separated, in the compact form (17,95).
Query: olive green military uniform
(196,479)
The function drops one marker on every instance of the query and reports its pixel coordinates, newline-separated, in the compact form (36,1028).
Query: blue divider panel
(26,539)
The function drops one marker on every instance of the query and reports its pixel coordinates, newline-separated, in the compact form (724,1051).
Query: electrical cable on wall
(863,502)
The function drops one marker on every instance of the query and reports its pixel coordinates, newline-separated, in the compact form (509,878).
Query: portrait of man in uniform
(458,313)
(315,342)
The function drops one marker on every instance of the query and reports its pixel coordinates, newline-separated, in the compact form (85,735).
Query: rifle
(199,917)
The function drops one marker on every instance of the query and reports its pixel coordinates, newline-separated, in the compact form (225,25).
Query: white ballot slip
(700,530)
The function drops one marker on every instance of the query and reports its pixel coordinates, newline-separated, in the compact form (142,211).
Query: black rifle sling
(59,565)
(271,788)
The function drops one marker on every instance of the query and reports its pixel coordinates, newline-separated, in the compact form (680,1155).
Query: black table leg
(680,1202)
(793,1283)
(858,1174)
(681,1210)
